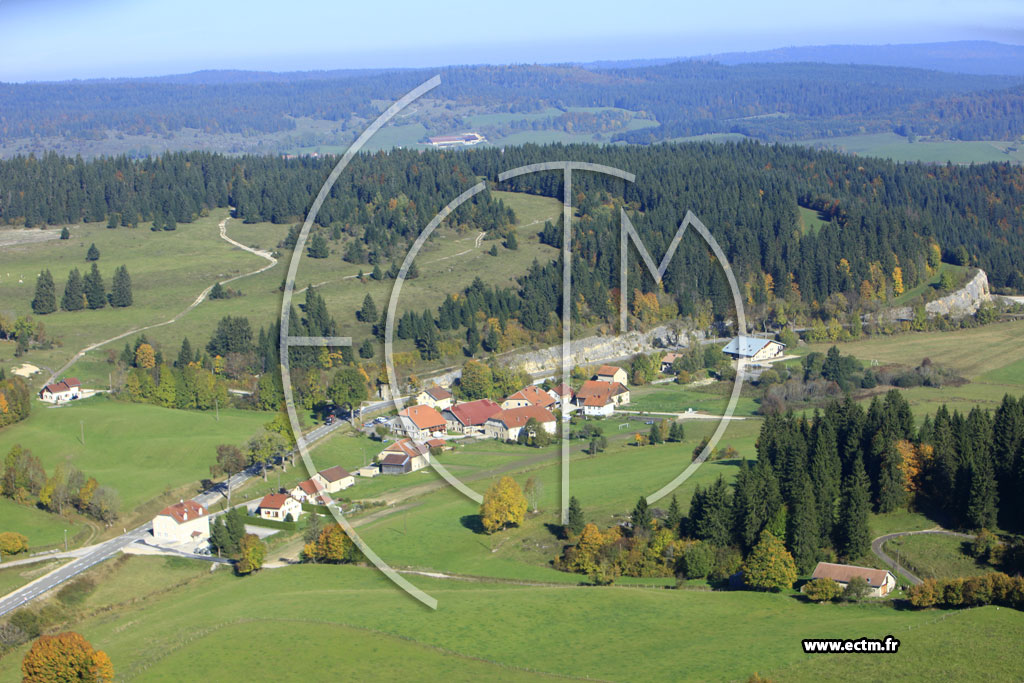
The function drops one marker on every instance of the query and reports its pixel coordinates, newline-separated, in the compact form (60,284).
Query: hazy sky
(59,39)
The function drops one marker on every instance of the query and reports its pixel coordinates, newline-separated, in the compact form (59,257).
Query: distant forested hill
(766,101)
(885,224)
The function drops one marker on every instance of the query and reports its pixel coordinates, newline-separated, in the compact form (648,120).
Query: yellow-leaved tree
(504,505)
(66,657)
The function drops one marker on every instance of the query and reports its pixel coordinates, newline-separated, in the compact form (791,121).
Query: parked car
(329,420)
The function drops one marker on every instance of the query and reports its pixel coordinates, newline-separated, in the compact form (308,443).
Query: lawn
(294,617)
(674,398)
(142,451)
(43,529)
(935,556)
(897,148)
(811,220)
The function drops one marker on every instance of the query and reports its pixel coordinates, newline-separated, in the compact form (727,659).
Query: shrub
(856,589)
(697,561)
(12,543)
(822,590)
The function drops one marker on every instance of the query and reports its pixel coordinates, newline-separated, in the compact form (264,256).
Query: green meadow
(935,556)
(897,148)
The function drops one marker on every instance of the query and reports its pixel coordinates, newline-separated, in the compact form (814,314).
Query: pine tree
(95,292)
(892,494)
(492,341)
(377,273)
(366,349)
(121,289)
(93,254)
(982,501)
(184,354)
(65,234)
(218,291)
(472,340)
(74,292)
(368,312)
(826,473)
(318,246)
(576,518)
(511,242)
(804,532)
(45,300)
(641,518)
(674,516)
(853,534)
(676,432)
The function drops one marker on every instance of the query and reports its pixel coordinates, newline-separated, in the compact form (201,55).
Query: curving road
(878,543)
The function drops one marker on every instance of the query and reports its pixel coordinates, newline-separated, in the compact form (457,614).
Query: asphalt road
(107,549)
(878,543)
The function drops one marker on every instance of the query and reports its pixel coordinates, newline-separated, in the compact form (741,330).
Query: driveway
(878,543)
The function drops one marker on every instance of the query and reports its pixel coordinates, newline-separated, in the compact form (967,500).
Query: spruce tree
(641,518)
(184,354)
(65,234)
(826,472)
(366,349)
(218,292)
(74,292)
(804,532)
(45,300)
(377,273)
(576,518)
(892,495)
(318,247)
(853,534)
(93,254)
(983,498)
(472,340)
(95,292)
(674,516)
(368,312)
(121,289)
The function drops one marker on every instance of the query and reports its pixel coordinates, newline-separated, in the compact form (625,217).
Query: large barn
(754,348)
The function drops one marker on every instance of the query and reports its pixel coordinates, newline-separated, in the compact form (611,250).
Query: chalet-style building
(529,396)
(67,389)
(597,398)
(419,422)
(880,581)
(668,359)
(278,506)
(754,348)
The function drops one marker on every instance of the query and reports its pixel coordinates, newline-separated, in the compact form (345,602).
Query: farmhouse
(879,580)
(754,348)
(469,417)
(599,398)
(418,454)
(396,463)
(334,479)
(611,373)
(418,422)
(309,491)
(436,397)
(464,139)
(66,390)
(563,393)
(529,396)
(506,425)
(668,359)
(184,523)
(278,506)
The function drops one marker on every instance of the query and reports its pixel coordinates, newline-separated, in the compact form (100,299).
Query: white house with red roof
(529,396)
(419,422)
(611,373)
(598,398)
(278,506)
(563,395)
(334,479)
(310,491)
(417,455)
(185,523)
(67,389)
(507,424)
(436,397)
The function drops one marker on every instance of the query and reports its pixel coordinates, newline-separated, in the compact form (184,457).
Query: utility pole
(65,540)
(216,406)
(81,431)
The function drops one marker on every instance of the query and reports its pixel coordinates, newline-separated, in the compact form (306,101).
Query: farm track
(222,227)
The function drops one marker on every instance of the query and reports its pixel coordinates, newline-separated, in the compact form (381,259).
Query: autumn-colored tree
(12,543)
(924,594)
(251,551)
(769,565)
(332,545)
(65,657)
(145,357)
(897,281)
(915,459)
(504,504)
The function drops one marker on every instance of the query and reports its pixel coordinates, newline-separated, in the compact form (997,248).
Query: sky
(64,39)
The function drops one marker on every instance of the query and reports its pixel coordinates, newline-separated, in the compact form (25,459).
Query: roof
(438,393)
(597,393)
(183,511)
(517,417)
(424,417)
(395,459)
(562,389)
(670,357)
(608,370)
(437,443)
(845,572)
(275,501)
(63,385)
(474,412)
(310,487)
(534,394)
(406,447)
(747,346)
(333,474)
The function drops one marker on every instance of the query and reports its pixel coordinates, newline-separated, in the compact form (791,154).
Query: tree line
(83,292)
(25,481)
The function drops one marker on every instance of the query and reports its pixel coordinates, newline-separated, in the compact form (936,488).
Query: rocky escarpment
(964,301)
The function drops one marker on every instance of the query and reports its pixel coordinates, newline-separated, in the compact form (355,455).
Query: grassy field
(958,273)
(501,631)
(935,556)
(671,397)
(895,147)
(811,220)
(142,451)
(40,527)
